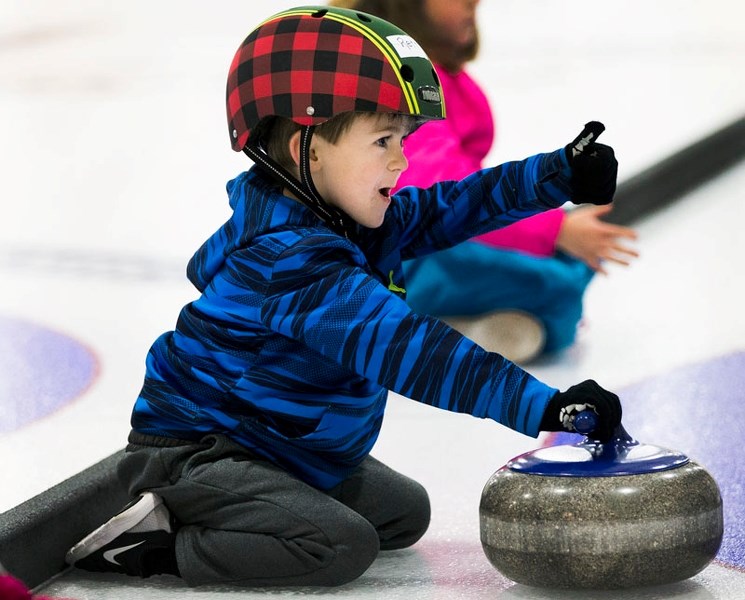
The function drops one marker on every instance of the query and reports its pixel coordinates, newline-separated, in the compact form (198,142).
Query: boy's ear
(295,149)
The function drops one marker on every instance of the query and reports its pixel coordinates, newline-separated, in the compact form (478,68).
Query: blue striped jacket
(299,332)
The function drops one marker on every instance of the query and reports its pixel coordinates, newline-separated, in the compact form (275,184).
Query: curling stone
(600,516)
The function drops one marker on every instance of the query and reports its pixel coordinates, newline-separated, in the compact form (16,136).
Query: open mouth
(385,192)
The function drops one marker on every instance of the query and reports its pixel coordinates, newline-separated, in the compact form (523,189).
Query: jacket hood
(258,208)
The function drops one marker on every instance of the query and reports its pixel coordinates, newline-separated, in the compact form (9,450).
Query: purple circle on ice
(699,410)
(41,370)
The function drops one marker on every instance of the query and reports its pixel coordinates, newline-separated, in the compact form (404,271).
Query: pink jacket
(456,147)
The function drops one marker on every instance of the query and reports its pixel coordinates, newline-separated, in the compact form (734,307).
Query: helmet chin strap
(305,190)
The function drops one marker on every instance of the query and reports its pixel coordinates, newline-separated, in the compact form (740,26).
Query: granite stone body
(604,532)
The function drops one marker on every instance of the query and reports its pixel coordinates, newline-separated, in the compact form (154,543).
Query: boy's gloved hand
(588,395)
(594,167)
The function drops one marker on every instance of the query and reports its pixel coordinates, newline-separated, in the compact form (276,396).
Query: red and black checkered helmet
(311,63)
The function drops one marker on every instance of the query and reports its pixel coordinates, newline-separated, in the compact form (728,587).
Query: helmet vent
(319,14)
(407,73)
(364,17)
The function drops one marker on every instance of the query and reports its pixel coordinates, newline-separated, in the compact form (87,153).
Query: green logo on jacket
(392,286)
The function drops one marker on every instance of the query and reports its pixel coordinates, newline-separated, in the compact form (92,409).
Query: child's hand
(586,237)
(588,395)
(594,167)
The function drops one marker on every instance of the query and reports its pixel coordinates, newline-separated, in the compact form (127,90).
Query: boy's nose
(399,161)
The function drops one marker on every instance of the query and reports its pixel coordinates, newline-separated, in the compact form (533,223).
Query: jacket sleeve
(535,235)
(451,212)
(440,156)
(321,295)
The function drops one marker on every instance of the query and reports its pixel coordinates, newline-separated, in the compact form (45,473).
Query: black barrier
(679,174)
(35,535)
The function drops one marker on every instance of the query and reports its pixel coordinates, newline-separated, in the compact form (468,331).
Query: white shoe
(121,544)
(516,335)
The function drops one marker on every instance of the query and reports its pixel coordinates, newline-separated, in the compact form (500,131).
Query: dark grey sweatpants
(246,521)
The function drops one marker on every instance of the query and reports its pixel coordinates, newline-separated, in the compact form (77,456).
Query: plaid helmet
(311,63)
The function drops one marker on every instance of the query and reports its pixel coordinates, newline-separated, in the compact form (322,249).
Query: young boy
(249,451)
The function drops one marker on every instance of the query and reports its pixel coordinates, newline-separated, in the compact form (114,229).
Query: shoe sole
(516,335)
(113,528)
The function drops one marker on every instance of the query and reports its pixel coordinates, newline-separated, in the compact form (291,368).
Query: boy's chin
(371,224)
(375,226)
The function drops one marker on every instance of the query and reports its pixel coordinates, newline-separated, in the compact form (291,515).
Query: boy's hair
(410,16)
(276,132)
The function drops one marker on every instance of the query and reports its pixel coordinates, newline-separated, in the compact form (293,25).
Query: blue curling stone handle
(585,422)
(621,455)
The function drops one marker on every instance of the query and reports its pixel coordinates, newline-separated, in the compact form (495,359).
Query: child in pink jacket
(517,290)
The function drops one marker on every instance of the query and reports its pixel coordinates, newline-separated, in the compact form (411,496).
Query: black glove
(588,395)
(594,167)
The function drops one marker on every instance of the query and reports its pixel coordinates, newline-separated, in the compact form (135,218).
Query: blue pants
(472,279)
